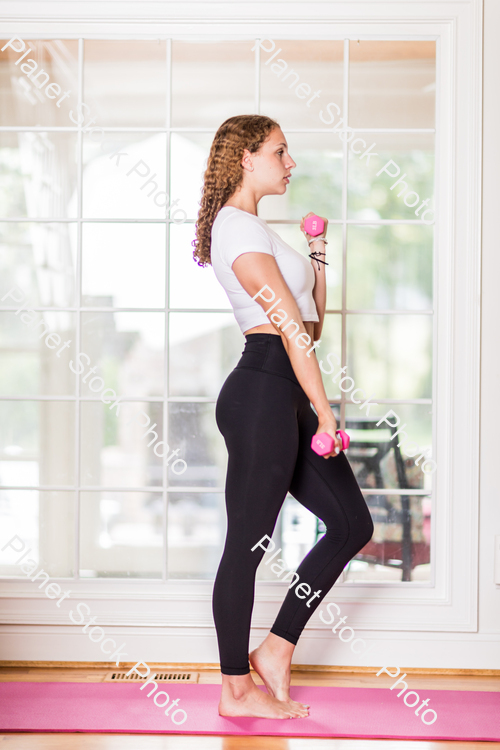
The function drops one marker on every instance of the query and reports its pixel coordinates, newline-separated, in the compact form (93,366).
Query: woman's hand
(329,425)
(308,236)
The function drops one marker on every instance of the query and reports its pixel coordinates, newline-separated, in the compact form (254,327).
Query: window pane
(190,284)
(389,267)
(334,269)
(40,99)
(36,350)
(328,353)
(198,68)
(400,548)
(40,259)
(193,429)
(188,162)
(123,265)
(390,355)
(38,175)
(392,84)
(196,534)
(316,181)
(380,460)
(128,350)
(204,348)
(44,521)
(399,196)
(295,532)
(125,176)
(121,534)
(117,73)
(36,443)
(300,80)
(123,450)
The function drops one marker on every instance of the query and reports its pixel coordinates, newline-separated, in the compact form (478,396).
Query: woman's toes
(299,705)
(300,714)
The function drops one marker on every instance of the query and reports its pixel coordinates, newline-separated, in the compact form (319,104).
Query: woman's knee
(238,557)
(363,527)
(366,530)
(354,535)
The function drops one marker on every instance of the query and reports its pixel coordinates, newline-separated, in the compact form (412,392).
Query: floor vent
(160,676)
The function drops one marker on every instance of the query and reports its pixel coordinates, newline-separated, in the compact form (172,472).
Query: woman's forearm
(319,291)
(309,376)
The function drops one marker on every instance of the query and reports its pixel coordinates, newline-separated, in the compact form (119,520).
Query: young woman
(264,413)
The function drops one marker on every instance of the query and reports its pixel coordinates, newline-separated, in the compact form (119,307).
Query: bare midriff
(268,328)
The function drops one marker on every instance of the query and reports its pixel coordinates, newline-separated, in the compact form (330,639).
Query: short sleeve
(239,234)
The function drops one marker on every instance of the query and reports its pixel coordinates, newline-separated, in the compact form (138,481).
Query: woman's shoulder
(235,218)
(236,213)
(235,231)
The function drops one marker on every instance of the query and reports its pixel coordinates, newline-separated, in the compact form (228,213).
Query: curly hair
(224,172)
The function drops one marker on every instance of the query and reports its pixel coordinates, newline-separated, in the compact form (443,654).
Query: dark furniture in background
(366,457)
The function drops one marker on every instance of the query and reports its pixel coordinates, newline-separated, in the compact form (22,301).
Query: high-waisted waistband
(265,352)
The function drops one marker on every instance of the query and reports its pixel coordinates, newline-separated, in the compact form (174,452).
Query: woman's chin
(277,190)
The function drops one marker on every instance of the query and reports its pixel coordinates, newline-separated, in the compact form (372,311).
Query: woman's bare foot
(241,697)
(272,661)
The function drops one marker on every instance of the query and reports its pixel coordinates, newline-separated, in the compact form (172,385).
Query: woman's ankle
(278,645)
(237,685)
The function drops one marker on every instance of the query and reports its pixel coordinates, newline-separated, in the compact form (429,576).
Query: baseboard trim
(213,667)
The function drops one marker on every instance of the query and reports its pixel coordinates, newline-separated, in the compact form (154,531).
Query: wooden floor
(192,742)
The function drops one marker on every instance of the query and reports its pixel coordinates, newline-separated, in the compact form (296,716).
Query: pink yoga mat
(375,713)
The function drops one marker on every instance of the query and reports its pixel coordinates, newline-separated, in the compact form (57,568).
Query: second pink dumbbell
(323,443)
(314,225)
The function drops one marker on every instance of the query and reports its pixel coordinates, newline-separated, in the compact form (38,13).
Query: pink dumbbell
(314,225)
(323,443)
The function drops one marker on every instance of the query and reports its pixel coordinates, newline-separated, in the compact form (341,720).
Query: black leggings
(268,423)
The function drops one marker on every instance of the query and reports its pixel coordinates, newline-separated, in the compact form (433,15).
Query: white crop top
(235,232)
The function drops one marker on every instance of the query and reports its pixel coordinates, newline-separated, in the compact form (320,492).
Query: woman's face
(271,165)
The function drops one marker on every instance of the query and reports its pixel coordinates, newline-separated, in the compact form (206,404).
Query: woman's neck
(244,203)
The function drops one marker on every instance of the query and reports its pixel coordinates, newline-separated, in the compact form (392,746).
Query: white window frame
(450,602)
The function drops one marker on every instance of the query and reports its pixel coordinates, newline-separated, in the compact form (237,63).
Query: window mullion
(78,280)
(345,107)
(166,391)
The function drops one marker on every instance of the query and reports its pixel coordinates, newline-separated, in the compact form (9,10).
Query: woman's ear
(247,160)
